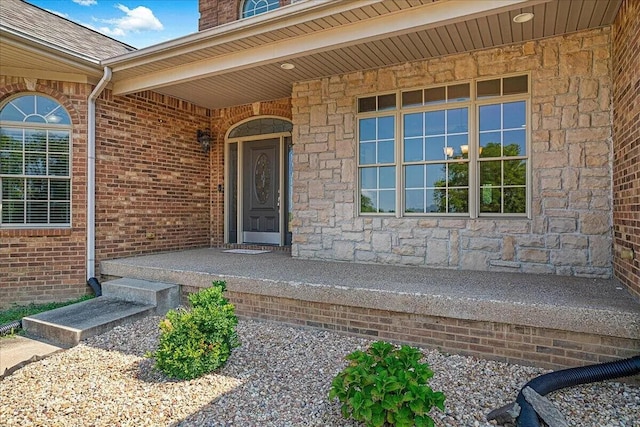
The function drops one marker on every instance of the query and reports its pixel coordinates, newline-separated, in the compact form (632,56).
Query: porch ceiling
(239,63)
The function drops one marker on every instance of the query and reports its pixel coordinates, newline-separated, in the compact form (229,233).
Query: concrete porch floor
(575,305)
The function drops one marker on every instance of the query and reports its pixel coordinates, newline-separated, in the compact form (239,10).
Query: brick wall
(152,176)
(570,229)
(218,12)
(534,346)
(222,120)
(626,145)
(42,265)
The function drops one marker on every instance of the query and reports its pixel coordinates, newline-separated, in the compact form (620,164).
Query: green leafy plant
(387,385)
(197,341)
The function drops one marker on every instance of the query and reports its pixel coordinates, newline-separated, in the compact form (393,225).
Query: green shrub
(197,341)
(386,384)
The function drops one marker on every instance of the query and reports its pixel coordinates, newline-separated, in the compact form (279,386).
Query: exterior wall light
(204,139)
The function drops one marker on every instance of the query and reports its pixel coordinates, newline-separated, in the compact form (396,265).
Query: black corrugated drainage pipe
(95,285)
(553,381)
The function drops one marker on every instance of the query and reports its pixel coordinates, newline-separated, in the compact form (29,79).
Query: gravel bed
(280,376)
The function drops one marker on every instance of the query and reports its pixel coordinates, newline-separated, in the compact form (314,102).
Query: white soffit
(410,19)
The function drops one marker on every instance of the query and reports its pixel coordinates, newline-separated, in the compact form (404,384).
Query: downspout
(91,182)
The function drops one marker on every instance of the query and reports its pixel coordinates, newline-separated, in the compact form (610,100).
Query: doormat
(246,251)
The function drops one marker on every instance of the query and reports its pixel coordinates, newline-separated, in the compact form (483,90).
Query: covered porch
(541,320)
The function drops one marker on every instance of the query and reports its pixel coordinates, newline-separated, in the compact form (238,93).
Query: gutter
(91,175)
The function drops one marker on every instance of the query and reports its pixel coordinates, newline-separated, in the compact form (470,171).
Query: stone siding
(48,264)
(626,145)
(569,232)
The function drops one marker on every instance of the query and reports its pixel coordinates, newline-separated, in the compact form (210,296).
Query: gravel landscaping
(279,376)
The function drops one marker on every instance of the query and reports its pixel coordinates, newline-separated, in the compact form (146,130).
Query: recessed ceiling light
(523,17)
(287,66)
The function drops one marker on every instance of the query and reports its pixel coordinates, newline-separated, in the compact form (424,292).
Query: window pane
(413,125)
(368,153)
(490,199)
(490,145)
(515,172)
(414,176)
(37,189)
(412,99)
(35,140)
(515,115)
(26,104)
(387,102)
(387,177)
(458,174)
(367,104)
(514,143)
(414,201)
(35,164)
(10,139)
(436,175)
(59,190)
(458,201)
(434,148)
(37,212)
(434,122)
(11,162)
(12,188)
(367,129)
(458,92)
(386,152)
(413,150)
(436,201)
(13,212)
(513,85)
(456,142)
(369,178)
(488,88)
(490,117)
(59,164)
(368,201)
(59,141)
(457,120)
(387,201)
(11,113)
(386,128)
(490,173)
(60,213)
(515,200)
(435,95)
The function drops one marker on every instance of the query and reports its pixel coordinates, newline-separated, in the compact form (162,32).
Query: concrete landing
(73,323)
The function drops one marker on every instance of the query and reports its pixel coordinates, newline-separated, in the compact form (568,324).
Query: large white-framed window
(256,7)
(35,163)
(456,150)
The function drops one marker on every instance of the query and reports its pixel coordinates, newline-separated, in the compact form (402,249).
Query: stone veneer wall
(48,264)
(626,145)
(222,120)
(152,177)
(570,229)
(218,12)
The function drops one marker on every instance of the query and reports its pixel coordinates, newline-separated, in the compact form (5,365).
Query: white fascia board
(292,14)
(404,21)
(48,75)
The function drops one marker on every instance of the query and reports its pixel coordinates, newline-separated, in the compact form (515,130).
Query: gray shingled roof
(50,28)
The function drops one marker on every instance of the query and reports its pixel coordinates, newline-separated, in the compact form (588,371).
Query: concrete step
(71,324)
(164,296)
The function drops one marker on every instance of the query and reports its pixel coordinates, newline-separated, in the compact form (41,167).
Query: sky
(138,23)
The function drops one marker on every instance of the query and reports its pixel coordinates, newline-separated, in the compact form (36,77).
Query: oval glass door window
(262,178)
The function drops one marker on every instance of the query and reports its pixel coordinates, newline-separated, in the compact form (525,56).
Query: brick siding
(546,348)
(570,229)
(626,145)
(218,12)
(152,176)
(42,265)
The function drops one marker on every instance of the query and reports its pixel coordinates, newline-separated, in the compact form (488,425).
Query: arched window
(35,162)
(256,7)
